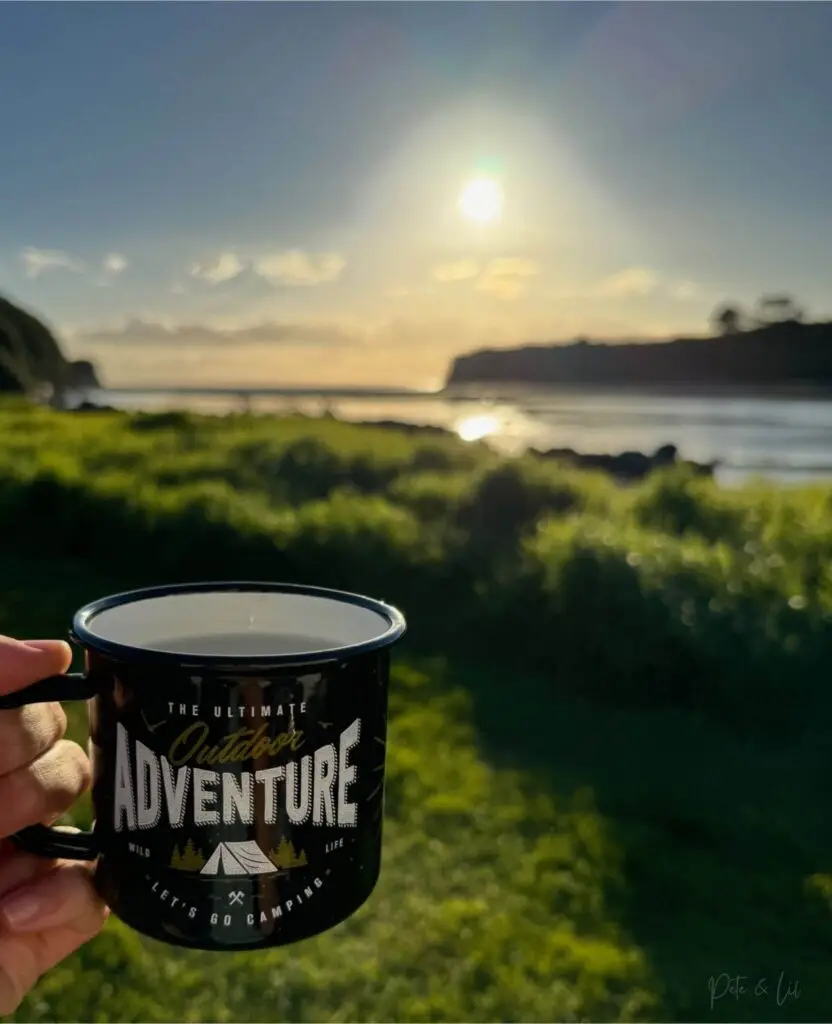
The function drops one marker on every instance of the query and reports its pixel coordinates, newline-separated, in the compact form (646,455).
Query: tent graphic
(238,859)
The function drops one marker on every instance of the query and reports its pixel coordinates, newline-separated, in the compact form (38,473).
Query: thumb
(25,662)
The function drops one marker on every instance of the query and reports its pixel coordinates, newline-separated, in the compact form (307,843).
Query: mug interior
(239,623)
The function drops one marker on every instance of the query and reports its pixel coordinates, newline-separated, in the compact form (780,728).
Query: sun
(481,200)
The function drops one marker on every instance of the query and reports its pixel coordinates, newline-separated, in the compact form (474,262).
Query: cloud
(460,270)
(145,332)
(512,267)
(507,278)
(296,268)
(37,261)
(221,268)
(684,290)
(632,282)
(629,283)
(114,263)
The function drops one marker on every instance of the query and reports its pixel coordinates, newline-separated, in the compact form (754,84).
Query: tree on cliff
(727,319)
(778,309)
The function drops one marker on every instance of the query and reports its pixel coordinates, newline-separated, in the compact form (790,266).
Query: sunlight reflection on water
(475,428)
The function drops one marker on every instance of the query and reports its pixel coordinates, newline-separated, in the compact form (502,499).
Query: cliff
(81,375)
(780,354)
(31,357)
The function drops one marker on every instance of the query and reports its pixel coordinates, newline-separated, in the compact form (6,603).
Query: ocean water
(786,438)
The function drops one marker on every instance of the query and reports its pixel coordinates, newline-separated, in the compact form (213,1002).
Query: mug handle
(42,839)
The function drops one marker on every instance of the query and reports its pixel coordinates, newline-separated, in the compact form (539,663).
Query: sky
(237,193)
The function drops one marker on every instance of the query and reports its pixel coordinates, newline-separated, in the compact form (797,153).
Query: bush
(611,778)
(172,420)
(509,499)
(678,502)
(431,495)
(636,620)
(672,594)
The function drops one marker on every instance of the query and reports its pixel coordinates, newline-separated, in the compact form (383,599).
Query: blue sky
(268,192)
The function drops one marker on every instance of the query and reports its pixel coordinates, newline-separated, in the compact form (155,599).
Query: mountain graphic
(238,859)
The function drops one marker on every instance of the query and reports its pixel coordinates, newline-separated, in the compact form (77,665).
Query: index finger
(25,662)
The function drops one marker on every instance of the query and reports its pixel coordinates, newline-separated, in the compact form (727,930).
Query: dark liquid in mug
(247,644)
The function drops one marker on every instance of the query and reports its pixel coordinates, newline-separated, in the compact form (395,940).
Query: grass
(608,754)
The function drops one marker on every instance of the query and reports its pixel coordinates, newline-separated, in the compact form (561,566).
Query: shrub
(171,420)
(431,495)
(509,499)
(358,542)
(677,501)
(638,620)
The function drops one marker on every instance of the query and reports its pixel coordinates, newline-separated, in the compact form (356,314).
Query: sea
(780,437)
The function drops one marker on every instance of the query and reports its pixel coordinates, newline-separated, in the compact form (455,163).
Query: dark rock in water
(701,468)
(632,465)
(666,455)
(80,376)
(92,407)
(410,428)
(627,465)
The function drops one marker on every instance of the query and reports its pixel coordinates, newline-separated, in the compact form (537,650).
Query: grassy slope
(545,857)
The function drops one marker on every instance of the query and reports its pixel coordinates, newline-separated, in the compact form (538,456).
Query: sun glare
(474,428)
(481,200)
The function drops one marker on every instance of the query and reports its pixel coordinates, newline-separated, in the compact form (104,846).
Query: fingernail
(44,645)
(20,907)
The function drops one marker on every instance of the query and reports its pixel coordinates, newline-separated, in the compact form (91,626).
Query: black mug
(237,735)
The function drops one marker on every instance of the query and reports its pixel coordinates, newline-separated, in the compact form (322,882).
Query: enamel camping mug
(237,736)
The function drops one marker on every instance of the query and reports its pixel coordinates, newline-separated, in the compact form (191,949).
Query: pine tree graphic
(190,859)
(284,856)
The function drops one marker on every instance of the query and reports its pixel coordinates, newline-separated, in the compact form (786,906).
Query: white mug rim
(84,634)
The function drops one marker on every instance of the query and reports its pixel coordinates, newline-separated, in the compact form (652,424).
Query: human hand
(48,908)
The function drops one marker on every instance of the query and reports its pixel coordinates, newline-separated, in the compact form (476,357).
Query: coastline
(487,391)
(783,435)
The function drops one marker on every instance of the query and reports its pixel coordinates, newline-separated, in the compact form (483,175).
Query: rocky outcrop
(408,428)
(92,407)
(628,465)
(31,358)
(81,376)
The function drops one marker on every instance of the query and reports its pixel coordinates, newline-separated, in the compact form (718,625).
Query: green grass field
(608,765)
